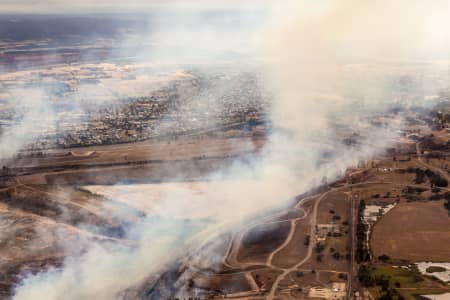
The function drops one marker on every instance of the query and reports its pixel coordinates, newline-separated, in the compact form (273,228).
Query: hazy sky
(85,6)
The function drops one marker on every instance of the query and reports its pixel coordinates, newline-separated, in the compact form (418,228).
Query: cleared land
(417,231)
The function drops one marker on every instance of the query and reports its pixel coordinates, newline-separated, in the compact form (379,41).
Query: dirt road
(286,271)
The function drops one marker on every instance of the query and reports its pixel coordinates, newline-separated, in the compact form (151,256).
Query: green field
(397,283)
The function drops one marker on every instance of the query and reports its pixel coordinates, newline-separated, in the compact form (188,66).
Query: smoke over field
(330,68)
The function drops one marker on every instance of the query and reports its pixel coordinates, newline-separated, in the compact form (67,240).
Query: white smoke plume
(36,115)
(326,63)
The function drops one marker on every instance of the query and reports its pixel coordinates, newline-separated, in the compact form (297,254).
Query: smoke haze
(325,63)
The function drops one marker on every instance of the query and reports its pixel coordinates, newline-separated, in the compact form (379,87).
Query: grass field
(407,282)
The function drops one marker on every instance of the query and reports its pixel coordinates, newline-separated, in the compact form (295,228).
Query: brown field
(302,279)
(328,262)
(417,231)
(396,176)
(140,151)
(337,202)
(439,163)
(152,172)
(329,277)
(142,161)
(340,245)
(369,192)
(402,162)
(264,278)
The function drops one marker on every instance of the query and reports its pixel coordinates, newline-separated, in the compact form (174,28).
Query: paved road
(353,266)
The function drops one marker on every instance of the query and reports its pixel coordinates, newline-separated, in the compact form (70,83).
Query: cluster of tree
(413,190)
(362,251)
(447,203)
(438,180)
(429,142)
(335,254)
(365,276)
(384,258)
(319,249)
(390,294)
(443,118)
(421,175)
(367,279)
(437,155)
(336,218)
(438,196)
(413,193)
(334,234)
(307,240)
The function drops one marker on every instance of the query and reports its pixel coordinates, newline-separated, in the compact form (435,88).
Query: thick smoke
(325,63)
